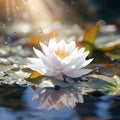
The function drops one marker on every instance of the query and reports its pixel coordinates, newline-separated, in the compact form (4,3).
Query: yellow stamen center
(62,54)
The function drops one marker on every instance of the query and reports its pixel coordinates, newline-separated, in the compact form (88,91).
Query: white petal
(35,61)
(44,49)
(69,59)
(74,52)
(81,50)
(80,60)
(52,72)
(86,62)
(43,58)
(68,69)
(44,70)
(71,46)
(55,61)
(38,53)
(62,45)
(78,73)
(41,67)
(77,61)
(59,77)
(85,54)
(52,43)
(36,68)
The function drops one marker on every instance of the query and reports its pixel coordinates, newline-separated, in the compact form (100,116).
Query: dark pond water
(16,104)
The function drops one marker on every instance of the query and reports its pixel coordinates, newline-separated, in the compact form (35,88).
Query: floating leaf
(35,78)
(104,71)
(44,38)
(114,54)
(105,84)
(34,82)
(34,75)
(89,37)
(86,45)
(108,42)
(90,34)
(109,69)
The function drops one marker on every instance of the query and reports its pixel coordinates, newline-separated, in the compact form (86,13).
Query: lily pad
(105,84)
(114,54)
(108,42)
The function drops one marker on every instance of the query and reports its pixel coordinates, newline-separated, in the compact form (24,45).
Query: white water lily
(60,59)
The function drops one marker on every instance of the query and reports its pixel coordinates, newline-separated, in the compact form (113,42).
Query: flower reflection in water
(58,97)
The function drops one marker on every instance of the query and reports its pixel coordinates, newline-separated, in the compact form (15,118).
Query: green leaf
(105,84)
(91,34)
(108,42)
(113,54)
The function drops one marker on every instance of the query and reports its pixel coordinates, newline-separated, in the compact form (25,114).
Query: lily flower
(60,60)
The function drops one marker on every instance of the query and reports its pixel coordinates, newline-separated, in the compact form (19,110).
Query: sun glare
(33,10)
(39,10)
